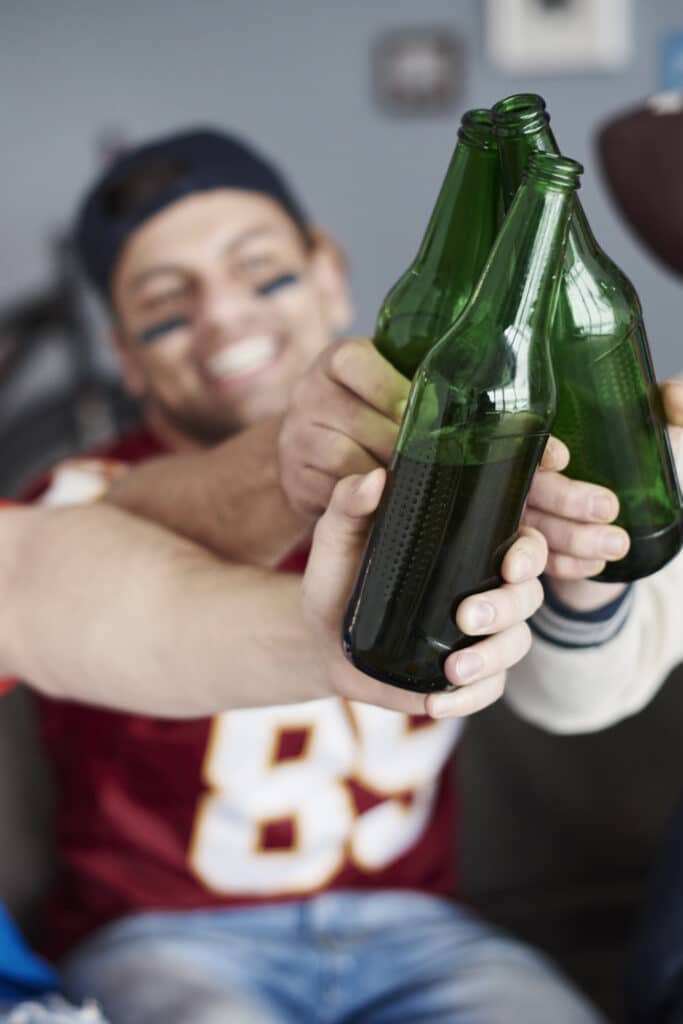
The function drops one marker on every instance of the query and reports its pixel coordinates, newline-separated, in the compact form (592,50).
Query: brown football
(641,152)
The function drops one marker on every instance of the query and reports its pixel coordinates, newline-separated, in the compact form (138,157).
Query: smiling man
(271,861)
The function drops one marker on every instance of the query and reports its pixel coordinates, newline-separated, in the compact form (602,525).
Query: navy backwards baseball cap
(144,180)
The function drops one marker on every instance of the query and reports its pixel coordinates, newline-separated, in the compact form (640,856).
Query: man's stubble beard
(204,430)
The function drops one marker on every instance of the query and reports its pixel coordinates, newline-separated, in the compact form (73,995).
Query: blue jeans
(359,958)
(51,1010)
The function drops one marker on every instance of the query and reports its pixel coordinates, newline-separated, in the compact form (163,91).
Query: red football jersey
(253,805)
(6,684)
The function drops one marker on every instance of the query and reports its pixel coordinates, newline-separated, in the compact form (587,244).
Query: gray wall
(294,75)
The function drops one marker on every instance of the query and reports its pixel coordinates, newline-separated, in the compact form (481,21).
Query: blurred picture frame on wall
(418,70)
(559,36)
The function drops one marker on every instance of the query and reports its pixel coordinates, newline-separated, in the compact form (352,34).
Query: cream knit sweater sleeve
(581,676)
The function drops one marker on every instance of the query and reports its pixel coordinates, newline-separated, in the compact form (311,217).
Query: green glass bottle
(463,226)
(608,409)
(480,408)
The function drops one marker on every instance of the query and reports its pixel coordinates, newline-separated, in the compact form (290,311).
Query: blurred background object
(58,394)
(671,69)
(642,159)
(556,36)
(419,70)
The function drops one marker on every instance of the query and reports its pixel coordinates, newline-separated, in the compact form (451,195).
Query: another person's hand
(568,512)
(574,517)
(477,674)
(672,401)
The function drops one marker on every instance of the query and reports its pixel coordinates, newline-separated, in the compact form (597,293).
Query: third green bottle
(608,409)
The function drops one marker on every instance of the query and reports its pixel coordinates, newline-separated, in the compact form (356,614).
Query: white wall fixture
(560,36)
(418,70)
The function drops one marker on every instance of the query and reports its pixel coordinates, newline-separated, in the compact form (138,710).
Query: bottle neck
(468,206)
(515,151)
(519,284)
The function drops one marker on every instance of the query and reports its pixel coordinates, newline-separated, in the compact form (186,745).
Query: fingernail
(521,567)
(468,664)
(615,545)
(479,615)
(602,507)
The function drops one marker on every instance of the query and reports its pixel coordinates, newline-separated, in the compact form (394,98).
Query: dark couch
(559,832)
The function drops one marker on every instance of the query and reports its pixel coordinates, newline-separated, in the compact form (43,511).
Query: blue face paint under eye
(157,331)
(278,282)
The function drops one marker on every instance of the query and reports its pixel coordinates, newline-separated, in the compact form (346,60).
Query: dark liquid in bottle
(441,533)
(609,417)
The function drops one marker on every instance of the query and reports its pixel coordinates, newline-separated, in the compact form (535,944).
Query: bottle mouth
(520,114)
(476,129)
(556,171)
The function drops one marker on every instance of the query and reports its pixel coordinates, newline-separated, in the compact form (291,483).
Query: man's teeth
(242,356)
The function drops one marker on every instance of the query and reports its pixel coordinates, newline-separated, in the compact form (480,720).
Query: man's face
(222,305)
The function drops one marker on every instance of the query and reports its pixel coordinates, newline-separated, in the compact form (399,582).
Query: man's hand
(343,418)
(477,674)
(227,498)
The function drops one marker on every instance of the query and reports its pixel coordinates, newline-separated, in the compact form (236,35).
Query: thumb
(338,543)
(555,454)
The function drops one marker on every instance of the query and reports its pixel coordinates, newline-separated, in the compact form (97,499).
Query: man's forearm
(227,498)
(102,607)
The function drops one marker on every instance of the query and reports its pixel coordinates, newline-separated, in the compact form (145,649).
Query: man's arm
(227,499)
(103,607)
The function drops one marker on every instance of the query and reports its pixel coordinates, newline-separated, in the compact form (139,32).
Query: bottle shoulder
(596,297)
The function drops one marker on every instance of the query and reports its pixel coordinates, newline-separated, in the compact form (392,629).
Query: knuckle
(515,644)
(351,412)
(574,540)
(344,357)
(532,518)
(537,546)
(560,495)
(498,686)
(554,565)
(536,596)
(469,701)
(525,639)
(339,455)
(505,605)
